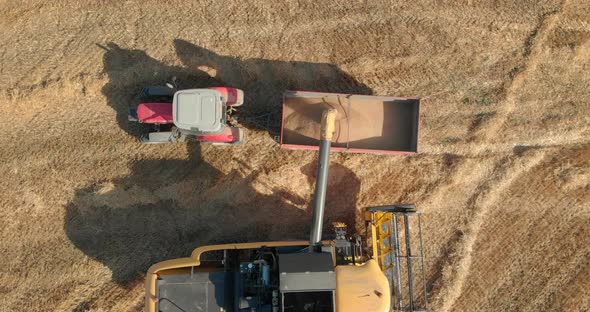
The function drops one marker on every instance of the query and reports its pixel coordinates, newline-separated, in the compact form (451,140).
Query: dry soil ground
(503,173)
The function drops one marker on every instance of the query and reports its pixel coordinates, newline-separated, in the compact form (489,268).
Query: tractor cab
(205,115)
(199,111)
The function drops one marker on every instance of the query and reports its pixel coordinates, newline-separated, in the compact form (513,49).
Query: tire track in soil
(351,23)
(503,174)
(533,49)
(506,171)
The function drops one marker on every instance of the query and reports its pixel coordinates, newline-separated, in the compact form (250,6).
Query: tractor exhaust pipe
(319,200)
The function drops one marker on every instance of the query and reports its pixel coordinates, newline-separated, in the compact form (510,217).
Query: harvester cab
(206,115)
(340,275)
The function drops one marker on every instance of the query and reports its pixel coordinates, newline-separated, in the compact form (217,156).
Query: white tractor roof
(199,110)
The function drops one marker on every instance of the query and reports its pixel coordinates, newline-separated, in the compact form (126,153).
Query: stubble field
(502,174)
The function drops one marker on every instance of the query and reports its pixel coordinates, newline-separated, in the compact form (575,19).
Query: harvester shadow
(165,208)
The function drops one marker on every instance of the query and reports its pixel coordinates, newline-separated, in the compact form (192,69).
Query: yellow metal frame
(378,233)
(378,236)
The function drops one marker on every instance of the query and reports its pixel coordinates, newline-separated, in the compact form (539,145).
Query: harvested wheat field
(502,174)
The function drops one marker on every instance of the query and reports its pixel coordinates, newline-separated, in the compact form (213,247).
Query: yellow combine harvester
(315,275)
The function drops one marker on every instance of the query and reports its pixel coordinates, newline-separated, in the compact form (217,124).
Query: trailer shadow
(165,208)
(264,81)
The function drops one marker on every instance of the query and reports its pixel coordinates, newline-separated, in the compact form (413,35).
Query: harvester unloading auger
(315,275)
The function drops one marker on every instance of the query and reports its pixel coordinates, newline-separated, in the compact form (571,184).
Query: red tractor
(174,115)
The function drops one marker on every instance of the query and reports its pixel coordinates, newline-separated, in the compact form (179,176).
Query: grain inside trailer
(367,124)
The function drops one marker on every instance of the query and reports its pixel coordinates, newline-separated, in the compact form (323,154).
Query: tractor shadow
(130,70)
(165,208)
(263,81)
